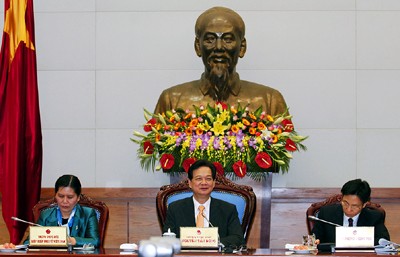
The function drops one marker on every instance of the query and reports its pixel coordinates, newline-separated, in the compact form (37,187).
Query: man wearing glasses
(351,212)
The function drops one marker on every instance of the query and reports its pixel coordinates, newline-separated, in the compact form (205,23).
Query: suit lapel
(214,207)
(77,221)
(187,211)
(362,218)
(338,215)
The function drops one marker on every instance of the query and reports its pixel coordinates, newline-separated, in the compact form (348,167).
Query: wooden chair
(100,208)
(240,195)
(313,210)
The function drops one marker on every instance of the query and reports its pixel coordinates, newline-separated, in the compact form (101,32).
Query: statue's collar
(207,89)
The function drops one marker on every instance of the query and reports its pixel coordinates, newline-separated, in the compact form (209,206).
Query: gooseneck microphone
(385,242)
(204,216)
(27,222)
(220,245)
(325,221)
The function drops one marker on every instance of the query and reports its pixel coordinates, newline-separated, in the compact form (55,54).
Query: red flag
(20,129)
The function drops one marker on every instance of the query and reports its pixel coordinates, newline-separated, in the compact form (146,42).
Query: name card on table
(355,236)
(199,238)
(48,237)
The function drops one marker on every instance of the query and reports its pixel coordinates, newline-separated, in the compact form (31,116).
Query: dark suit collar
(362,218)
(214,202)
(339,214)
(214,209)
(188,209)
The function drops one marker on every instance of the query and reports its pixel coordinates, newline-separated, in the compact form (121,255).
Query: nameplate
(193,237)
(355,236)
(48,236)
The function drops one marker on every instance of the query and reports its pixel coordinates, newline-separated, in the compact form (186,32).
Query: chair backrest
(100,208)
(240,195)
(313,210)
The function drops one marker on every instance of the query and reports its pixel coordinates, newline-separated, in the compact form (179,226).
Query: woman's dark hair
(359,188)
(202,163)
(69,181)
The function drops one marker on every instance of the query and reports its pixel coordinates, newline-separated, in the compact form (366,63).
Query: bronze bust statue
(220,41)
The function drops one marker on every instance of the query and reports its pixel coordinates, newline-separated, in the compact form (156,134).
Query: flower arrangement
(238,141)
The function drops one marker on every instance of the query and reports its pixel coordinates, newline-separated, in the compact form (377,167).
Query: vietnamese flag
(20,129)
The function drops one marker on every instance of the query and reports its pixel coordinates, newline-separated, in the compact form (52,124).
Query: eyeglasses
(353,207)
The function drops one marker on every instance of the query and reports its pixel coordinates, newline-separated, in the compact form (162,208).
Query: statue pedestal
(263,191)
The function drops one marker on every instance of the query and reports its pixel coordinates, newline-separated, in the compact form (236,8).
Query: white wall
(336,62)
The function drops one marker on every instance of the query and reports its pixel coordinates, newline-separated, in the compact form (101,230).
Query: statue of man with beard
(220,41)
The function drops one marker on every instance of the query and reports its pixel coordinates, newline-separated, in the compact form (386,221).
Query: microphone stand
(27,222)
(325,221)
(220,245)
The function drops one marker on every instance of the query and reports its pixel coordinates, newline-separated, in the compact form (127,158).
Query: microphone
(220,245)
(24,221)
(204,216)
(325,221)
(385,242)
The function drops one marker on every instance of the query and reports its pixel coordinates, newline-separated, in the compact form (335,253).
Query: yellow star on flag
(15,26)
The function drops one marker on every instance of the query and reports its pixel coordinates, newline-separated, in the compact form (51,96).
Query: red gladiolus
(219,168)
(187,163)
(148,148)
(167,161)
(149,124)
(239,168)
(290,145)
(288,125)
(263,160)
(223,105)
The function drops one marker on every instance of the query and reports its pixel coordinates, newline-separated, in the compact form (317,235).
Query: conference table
(249,252)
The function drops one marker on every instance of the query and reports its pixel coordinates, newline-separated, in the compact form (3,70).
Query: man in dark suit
(351,212)
(185,212)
